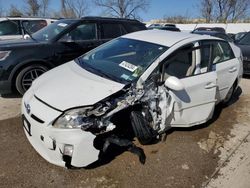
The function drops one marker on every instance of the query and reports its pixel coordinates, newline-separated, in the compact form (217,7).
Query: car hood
(245,49)
(69,86)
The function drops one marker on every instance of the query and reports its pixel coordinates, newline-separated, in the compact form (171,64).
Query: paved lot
(216,154)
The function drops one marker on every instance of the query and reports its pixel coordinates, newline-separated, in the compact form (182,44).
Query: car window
(206,54)
(214,52)
(181,63)
(34,25)
(53,30)
(86,31)
(109,30)
(10,27)
(245,40)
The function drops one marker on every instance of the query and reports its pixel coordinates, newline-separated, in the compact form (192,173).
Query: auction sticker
(62,24)
(128,66)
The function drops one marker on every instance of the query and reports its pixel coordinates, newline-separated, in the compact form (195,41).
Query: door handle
(210,85)
(232,69)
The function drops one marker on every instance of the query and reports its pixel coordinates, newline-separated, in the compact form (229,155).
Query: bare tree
(33,7)
(123,8)
(224,10)
(239,9)
(1,9)
(206,8)
(14,11)
(44,4)
(74,8)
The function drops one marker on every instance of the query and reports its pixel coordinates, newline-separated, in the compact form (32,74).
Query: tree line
(222,11)
(78,8)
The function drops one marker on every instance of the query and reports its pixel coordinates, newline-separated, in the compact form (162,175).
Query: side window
(227,50)
(110,31)
(181,63)
(206,54)
(34,25)
(85,31)
(10,27)
(221,52)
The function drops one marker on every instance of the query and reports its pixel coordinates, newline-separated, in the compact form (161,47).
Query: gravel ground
(192,157)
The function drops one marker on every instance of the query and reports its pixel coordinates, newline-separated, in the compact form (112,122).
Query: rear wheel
(27,75)
(229,95)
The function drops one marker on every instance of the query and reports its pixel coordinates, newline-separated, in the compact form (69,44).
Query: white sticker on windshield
(62,24)
(128,66)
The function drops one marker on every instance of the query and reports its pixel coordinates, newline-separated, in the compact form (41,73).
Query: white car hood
(69,86)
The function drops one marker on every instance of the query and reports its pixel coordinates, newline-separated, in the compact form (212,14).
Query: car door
(226,66)
(195,103)
(77,41)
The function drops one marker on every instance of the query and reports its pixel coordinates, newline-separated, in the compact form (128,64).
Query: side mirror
(174,83)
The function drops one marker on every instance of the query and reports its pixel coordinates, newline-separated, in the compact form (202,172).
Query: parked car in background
(218,29)
(17,27)
(151,26)
(22,61)
(244,45)
(215,34)
(147,81)
(239,36)
(169,28)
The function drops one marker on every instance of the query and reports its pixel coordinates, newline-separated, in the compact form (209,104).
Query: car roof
(26,18)
(165,38)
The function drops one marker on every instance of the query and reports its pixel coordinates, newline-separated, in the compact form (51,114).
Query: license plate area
(26,125)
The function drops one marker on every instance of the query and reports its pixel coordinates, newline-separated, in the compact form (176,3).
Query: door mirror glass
(174,83)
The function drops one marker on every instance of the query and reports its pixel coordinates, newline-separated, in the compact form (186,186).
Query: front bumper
(49,142)
(246,67)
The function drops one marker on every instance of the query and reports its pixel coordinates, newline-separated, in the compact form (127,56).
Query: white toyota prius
(138,85)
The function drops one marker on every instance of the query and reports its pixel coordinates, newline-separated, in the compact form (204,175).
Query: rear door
(226,66)
(195,104)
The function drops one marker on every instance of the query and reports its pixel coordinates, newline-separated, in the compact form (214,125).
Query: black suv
(21,61)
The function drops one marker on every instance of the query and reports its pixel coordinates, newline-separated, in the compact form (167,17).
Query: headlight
(81,117)
(4,55)
(73,119)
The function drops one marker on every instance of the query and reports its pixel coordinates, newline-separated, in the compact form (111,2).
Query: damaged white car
(138,85)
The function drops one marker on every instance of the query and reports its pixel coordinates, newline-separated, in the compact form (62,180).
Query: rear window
(34,25)
(110,30)
(9,27)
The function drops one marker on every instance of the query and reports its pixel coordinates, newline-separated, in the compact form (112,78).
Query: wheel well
(13,79)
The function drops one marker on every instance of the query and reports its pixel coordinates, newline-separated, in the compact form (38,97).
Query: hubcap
(30,76)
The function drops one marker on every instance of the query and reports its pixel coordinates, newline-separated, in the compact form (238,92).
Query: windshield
(122,60)
(245,40)
(51,31)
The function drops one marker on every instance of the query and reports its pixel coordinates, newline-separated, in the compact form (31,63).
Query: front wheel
(27,75)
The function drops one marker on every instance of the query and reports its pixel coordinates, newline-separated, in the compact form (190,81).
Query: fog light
(68,150)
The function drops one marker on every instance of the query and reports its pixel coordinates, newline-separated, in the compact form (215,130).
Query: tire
(27,75)
(229,95)
(144,133)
